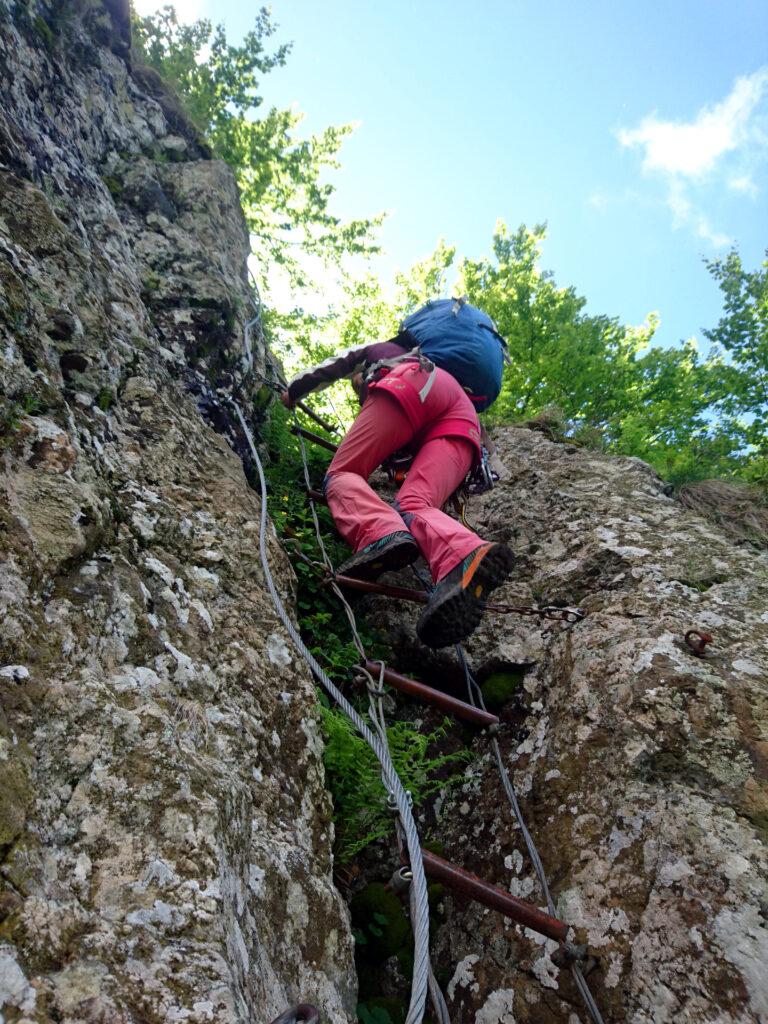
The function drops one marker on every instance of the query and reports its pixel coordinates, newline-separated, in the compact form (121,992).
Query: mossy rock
(381,927)
(381,1010)
(499,687)
(15,798)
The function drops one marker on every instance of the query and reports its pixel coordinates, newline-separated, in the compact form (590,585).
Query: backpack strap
(414,354)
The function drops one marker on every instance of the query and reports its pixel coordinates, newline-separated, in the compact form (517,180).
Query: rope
(476,699)
(400,798)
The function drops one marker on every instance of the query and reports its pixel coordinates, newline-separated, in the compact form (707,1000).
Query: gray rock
(165,835)
(640,766)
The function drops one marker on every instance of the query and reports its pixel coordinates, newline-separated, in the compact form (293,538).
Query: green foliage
(741,336)
(379,923)
(373,1012)
(500,686)
(323,626)
(354,777)
(114,185)
(281,177)
(105,399)
(12,410)
(690,417)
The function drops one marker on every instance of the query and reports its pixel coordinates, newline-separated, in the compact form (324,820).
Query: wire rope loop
(301,1014)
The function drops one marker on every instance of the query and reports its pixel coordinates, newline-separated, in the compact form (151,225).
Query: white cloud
(686,215)
(744,184)
(693,148)
(598,201)
(720,147)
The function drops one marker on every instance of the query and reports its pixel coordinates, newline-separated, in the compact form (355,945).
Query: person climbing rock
(408,400)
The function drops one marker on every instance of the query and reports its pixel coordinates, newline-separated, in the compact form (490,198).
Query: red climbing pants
(445,434)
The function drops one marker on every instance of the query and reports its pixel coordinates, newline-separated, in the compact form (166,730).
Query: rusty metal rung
(466,884)
(370,587)
(421,691)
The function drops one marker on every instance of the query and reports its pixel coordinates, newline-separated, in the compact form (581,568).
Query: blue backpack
(464,341)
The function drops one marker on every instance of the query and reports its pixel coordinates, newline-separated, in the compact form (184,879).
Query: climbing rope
(398,795)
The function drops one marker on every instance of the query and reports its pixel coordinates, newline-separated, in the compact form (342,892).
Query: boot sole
(370,568)
(457,613)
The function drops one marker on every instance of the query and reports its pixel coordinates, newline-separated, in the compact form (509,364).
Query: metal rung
(370,587)
(466,884)
(431,696)
(314,438)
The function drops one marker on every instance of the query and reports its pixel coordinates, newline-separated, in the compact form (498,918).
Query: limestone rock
(640,766)
(164,830)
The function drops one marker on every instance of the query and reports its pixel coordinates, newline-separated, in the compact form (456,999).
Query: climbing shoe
(394,551)
(458,601)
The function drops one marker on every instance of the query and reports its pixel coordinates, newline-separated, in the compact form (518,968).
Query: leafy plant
(11,412)
(354,776)
(281,176)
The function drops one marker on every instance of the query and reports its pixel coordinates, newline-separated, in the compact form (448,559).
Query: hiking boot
(394,551)
(458,601)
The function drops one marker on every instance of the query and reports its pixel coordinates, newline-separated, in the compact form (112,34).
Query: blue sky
(638,131)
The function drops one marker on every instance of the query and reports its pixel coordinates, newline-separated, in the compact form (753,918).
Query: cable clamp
(400,882)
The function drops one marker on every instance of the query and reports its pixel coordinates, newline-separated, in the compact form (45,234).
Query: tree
(285,199)
(740,341)
(690,417)
(560,356)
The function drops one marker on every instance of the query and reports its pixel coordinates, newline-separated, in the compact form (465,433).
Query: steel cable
(401,799)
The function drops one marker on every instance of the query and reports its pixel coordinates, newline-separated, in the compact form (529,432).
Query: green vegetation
(105,399)
(281,176)
(692,415)
(354,777)
(12,410)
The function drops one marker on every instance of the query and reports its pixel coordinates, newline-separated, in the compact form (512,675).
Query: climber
(408,400)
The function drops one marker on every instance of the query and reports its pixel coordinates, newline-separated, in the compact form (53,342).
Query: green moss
(15,798)
(114,186)
(500,686)
(380,926)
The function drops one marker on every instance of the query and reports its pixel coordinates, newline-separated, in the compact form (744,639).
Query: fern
(354,777)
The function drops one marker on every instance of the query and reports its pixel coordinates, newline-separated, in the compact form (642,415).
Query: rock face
(641,767)
(164,828)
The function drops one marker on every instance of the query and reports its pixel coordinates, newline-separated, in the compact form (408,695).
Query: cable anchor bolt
(400,882)
(568,953)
